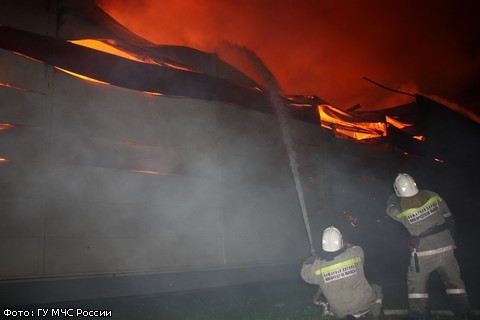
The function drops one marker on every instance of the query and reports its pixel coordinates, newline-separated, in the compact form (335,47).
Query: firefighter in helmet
(340,276)
(430,223)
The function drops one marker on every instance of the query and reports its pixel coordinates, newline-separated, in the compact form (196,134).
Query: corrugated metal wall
(75,203)
(100,179)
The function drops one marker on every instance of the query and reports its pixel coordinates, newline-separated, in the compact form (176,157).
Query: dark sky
(326,47)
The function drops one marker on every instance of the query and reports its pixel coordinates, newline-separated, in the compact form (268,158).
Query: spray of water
(275,96)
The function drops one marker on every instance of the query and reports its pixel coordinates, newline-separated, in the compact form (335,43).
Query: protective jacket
(424,215)
(429,221)
(342,281)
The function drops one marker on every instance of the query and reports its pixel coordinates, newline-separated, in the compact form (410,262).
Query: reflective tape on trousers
(417,295)
(358,315)
(456,291)
(435,251)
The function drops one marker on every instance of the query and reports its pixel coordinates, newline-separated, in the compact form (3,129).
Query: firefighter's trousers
(446,265)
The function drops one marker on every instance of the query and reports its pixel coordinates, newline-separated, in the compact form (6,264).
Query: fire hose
(287,139)
(275,97)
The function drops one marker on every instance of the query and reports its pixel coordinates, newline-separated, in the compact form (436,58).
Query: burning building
(139,168)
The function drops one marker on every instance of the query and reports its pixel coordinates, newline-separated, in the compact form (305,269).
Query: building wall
(215,190)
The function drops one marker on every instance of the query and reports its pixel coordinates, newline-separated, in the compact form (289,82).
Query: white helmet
(405,186)
(332,240)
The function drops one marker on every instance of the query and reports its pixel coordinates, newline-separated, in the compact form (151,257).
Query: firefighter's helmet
(405,186)
(332,240)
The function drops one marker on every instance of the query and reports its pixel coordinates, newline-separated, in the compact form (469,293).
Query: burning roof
(131,168)
(92,45)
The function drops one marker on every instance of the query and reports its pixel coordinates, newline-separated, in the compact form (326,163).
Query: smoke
(279,105)
(326,47)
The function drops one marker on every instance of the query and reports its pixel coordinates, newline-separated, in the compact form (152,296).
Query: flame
(171,65)
(104,47)
(101,46)
(100,82)
(6,126)
(330,118)
(342,123)
(3,160)
(401,125)
(28,57)
(153,93)
(8,85)
(344,56)
(81,76)
(397,124)
(110,48)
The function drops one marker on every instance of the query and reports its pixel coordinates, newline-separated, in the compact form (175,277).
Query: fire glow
(330,116)
(8,85)
(108,46)
(343,124)
(81,76)
(101,46)
(6,126)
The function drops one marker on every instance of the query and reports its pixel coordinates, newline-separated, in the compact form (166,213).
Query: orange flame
(28,57)
(396,123)
(6,126)
(340,122)
(104,47)
(111,49)
(101,46)
(401,125)
(330,118)
(153,93)
(81,76)
(8,85)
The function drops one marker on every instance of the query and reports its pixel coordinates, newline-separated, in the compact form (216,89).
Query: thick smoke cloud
(326,47)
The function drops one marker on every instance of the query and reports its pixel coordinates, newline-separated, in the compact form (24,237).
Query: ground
(266,301)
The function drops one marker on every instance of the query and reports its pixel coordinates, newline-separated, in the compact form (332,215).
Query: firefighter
(339,274)
(430,223)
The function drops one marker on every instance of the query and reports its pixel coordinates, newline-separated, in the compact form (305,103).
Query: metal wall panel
(130,182)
